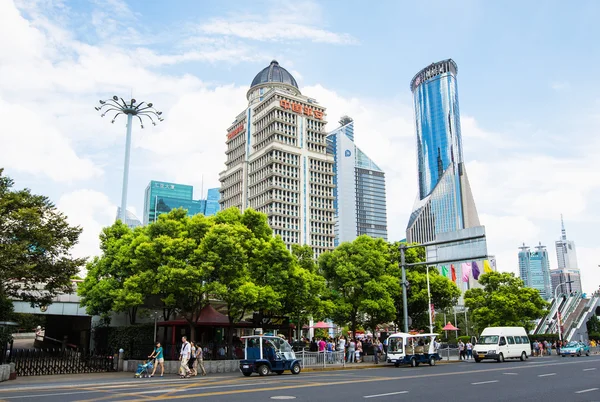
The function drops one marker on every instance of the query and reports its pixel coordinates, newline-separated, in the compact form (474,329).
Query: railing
(574,316)
(582,319)
(544,320)
(321,359)
(29,362)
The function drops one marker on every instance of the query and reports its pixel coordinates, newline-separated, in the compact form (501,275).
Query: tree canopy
(35,246)
(504,301)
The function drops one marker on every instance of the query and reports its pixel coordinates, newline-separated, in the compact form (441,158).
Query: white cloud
(92,210)
(282,22)
(560,85)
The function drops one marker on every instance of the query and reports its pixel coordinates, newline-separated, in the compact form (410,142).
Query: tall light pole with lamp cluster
(140,110)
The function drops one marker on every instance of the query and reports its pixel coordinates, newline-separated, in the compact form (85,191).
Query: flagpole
(429,306)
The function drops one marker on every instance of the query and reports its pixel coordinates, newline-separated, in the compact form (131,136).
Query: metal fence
(321,359)
(29,362)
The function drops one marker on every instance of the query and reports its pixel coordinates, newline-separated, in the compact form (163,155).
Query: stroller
(143,370)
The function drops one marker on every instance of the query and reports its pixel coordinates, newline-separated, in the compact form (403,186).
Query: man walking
(184,357)
(461,350)
(469,350)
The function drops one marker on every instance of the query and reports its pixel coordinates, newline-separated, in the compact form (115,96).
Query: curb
(365,366)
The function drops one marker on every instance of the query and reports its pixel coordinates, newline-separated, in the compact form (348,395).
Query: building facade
(162,197)
(277,161)
(534,269)
(568,269)
(445,202)
(130,220)
(360,203)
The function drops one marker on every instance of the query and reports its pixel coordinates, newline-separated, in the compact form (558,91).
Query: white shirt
(342,344)
(185,350)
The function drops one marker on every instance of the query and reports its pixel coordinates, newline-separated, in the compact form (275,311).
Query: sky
(528,91)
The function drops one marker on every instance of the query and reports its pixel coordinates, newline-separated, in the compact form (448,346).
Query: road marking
(583,391)
(483,382)
(388,394)
(510,373)
(283,397)
(546,375)
(589,369)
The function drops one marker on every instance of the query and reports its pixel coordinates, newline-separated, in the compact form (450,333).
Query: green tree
(35,246)
(504,301)
(304,289)
(444,292)
(102,290)
(359,279)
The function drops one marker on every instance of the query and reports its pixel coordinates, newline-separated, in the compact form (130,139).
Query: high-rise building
(212,202)
(277,161)
(130,220)
(534,269)
(360,206)
(445,202)
(162,197)
(568,269)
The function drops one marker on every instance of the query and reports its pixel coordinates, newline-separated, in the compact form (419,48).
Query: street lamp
(558,312)
(131,109)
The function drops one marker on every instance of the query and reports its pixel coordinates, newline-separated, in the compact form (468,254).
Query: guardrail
(321,359)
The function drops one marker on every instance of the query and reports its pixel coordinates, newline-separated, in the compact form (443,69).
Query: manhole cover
(283,397)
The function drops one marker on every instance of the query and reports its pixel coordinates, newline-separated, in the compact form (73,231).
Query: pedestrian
(351,351)
(322,345)
(199,360)
(184,357)
(359,351)
(461,350)
(314,347)
(376,350)
(469,350)
(558,346)
(192,361)
(536,348)
(160,359)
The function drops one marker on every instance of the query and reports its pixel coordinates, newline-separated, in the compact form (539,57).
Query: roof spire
(563,231)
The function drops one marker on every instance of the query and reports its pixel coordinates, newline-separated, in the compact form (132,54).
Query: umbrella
(449,327)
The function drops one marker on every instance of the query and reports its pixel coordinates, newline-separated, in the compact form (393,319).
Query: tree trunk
(230,339)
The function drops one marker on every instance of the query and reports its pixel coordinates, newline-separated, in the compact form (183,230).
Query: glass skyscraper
(162,197)
(568,269)
(445,202)
(359,192)
(534,269)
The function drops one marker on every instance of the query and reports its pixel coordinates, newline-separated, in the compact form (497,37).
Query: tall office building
(162,197)
(534,269)
(360,206)
(277,161)
(445,202)
(568,269)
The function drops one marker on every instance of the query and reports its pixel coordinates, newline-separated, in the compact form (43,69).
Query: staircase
(578,329)
(574,316)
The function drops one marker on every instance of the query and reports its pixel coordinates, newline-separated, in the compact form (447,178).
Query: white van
(500,343)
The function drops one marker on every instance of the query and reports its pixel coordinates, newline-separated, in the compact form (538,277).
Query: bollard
(121,360)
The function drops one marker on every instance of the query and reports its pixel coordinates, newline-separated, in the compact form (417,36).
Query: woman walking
(199,360)
(158,355)
(192,361)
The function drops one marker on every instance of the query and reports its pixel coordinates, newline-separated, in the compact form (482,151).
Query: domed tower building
(277,161)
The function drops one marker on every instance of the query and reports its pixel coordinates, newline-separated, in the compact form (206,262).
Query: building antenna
(563,231)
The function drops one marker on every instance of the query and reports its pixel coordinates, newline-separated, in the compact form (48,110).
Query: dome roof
(274,73)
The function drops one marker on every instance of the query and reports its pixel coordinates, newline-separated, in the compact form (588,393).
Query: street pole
(466,322)
(155,319)
(429,302)
(133,108)
(558,311)
(404,296)
(126,170)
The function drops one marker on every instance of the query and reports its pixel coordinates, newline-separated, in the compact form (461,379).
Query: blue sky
(527,85)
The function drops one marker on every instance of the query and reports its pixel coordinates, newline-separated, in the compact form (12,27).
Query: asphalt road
(538,379)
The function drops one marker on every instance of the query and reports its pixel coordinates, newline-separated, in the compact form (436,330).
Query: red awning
(323,325)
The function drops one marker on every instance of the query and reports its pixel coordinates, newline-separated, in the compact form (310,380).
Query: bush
(136,340)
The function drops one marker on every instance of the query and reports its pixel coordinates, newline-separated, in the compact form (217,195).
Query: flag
(486,267)
(453,273)
(476,270)
(445,270)
(466,271)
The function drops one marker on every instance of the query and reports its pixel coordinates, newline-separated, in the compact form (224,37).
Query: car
(265,354)
(575,349)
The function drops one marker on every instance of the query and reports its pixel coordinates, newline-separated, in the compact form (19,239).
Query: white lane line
(388,394)
(546,375)
(41,395)
(589,369)
(583,391)
(510,373)
(483,382)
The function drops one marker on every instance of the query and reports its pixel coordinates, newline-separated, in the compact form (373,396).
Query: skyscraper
(534,269)
(568,269)
(445,202)
(360,205)
(130,220)
(162,197)
(277,161)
